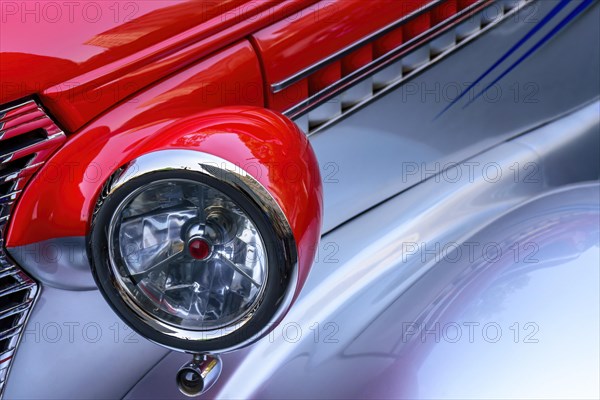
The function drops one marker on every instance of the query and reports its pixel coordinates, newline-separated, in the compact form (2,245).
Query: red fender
(60,199)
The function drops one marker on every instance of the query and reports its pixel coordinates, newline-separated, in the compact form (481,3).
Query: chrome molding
(27,137)
(463,27)
(234,176)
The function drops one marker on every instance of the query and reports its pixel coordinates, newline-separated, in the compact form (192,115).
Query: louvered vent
(27,138)
(397,54)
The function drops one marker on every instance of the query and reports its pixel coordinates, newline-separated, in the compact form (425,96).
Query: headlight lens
(187,254)
(192,252)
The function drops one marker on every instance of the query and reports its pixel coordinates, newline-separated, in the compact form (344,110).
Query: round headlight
(188,254)
(196,255)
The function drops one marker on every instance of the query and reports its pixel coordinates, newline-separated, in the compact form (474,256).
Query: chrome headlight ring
(237,190)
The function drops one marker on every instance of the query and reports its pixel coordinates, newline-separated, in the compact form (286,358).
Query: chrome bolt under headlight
(199,375)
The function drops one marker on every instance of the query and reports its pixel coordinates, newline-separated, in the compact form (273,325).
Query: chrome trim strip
(32,148)
(298,76)
(11,270)
(43,120)
(11,333)
(9,197)
(17,287)
(294,113)
(9,177)
(19,308)
(15,175)
(26,106)
(4,354)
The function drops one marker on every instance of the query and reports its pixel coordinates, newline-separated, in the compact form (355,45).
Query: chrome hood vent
(27,138)
(398,65)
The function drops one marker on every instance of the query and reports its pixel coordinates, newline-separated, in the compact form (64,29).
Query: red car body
(84,58)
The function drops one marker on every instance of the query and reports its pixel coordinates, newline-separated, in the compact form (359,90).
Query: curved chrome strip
(235,176)
(298,76)
(395,56)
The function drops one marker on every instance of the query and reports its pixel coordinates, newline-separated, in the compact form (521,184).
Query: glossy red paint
(388,42)
(444,11)
(324,77)
(357,59)
(292,95)
(60,199)
(83,57)
(417,26)
(230,77)
(465,3)
(311,35)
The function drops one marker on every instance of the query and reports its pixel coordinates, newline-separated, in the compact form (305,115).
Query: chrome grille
(27,138)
